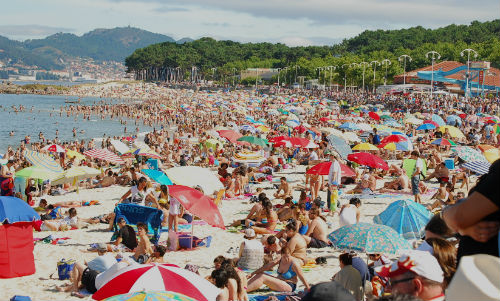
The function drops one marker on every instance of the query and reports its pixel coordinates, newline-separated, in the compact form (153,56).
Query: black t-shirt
(129,239)
(487,186)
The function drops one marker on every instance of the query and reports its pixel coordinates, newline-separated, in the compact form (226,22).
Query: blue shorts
(414,185)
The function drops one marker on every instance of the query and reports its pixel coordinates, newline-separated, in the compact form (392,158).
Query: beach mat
(264,297)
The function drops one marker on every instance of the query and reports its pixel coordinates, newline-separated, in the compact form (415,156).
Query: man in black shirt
(125,237)
(477,218)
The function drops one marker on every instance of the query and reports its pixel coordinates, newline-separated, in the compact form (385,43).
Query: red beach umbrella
(432,122)
(323,169)
(55,148)
(198,204)
(393,138)
(230,135)
(104,154)
(368,159)
(158,277)
(374,115)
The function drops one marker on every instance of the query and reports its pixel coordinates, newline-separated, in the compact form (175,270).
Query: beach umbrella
(431,122)
(485,147)
(349,126)
(150,296)
(323,169)
(74,154)
(374,116)
(413,120)
(36,172)
(492,154)
(443,142)
(230,135)
(157,176)
(426,126)
(368,160)
(198,204)
(195,175)
(407,217)
(42,160)
(390,146)
(119,146)
(247,128)
(469,154)
(105,155)
(479,167)
(76,173)
(158,277)
(394,138)
(14,210)
(453,119)
(393,123)
(340,145)
(369,238)
(454,131)
(254,140)
(437,119)
(55,148)
(365,147)
(351,136)
(148,153)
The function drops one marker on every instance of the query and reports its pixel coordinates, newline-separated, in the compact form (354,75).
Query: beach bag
(173,240)
(64,268)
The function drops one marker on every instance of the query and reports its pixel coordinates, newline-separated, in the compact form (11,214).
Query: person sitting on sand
(106,181)
(349,213)
(254,212)
(144,249)
(158,253)
(272,247)
(267,221)
(285,212)
(296,243)
(251,255)
(367,185)
(441,173)
(444,196)
(398,185)
(284,188)
(316,234)
(289,271)
(125,237)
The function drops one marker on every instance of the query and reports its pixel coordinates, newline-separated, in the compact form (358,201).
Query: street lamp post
(213,73)
(279,70)
(234,75)
(364,64)
(331,68)
(403,58)
(296,67)
(354,65)
(319,74)
(387,63)
(374,63)
(468,50)
(286,73)
(434,55)
(345,80)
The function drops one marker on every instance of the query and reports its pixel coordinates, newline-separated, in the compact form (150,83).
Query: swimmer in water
(11,133)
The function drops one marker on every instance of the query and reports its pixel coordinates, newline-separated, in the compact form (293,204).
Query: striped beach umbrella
(104,154)
(479,167)
(444,142)
(151,296)
(55,148)
(42,160)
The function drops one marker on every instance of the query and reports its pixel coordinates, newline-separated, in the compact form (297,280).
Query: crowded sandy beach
(240,195)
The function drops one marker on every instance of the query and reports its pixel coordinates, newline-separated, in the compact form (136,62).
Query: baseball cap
(249,233)
(421,263)
(328,291)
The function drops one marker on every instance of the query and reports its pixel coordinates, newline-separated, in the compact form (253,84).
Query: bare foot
(77,294)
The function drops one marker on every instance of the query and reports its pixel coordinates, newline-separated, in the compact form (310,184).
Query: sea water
(40,120)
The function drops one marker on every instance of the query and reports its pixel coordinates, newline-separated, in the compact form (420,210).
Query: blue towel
(134,214)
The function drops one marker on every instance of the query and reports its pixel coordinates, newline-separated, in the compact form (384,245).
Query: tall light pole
(279,70)
(296,67)
(234,74)
(387,63)
(434,56)
(319,74)
(286,73)
(403,59)
(354,65)
(364,65)
(374,63)
(345,79)
(468,50)
(331,68)
(213,73)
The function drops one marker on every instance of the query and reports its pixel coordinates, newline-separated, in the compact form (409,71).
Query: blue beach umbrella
(453,120)
(437,119)
(157,176)
(340,145)
(407,217)
(426,126)
(368,238)
(350,126)
(14,210)
(42,160)
(479,167)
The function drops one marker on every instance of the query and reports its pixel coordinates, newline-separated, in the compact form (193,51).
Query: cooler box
(450,163)
(187,241)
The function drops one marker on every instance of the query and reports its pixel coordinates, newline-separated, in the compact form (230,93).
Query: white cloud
(295,41)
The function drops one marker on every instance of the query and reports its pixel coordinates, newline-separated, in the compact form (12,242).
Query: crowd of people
(280,227)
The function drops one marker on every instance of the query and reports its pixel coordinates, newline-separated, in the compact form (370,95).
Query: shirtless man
(441,173)
(285,187)
(144,246)
(316,234)
(106,181)
(254,212)
(401,184)
(297,244)
(285,212)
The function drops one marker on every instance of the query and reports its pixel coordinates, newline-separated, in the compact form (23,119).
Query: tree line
(207,58)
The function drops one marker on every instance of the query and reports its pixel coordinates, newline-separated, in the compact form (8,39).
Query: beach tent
(16,238)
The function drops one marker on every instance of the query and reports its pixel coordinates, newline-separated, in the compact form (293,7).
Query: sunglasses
(392,283)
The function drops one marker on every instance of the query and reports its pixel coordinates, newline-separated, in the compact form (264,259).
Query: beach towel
(134,214)
(409,167)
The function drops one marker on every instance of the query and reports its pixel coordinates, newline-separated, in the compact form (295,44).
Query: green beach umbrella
(254,140)
(37,172)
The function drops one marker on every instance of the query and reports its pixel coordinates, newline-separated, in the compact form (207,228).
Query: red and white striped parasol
(104,154)
(158,277)
(55,148)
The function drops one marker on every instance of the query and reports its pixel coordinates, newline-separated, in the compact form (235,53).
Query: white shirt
(334,168)
(102,263)
(313,156)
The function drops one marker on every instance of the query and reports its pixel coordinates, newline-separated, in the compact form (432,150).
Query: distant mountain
(100,44)
(184,40)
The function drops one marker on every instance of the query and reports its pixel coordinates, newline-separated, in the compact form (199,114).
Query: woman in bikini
(267,220)
(289,271)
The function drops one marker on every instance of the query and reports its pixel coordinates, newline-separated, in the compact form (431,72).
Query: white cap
(421,263)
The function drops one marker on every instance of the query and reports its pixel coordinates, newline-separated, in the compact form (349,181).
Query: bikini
(289,275)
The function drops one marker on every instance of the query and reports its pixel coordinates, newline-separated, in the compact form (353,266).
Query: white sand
(39,287)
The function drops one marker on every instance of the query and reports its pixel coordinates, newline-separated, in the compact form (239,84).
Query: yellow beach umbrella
(365,147)
(492,154)
(75,154)
(454,131)
(390,146)
(263,128)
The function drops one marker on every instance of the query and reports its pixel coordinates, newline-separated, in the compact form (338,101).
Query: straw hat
(477,278)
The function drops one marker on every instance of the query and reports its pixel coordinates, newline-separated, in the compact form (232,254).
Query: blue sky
(293,22)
